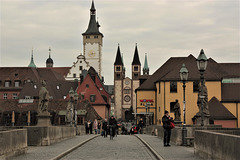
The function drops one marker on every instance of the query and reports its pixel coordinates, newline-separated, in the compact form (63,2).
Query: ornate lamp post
(147,109)
(184,75)
(71,94)
(75,112)
(202,65)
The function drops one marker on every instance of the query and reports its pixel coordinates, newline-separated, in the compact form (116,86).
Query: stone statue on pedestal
(69,114)
(43,98)
(205,99)
(177,111)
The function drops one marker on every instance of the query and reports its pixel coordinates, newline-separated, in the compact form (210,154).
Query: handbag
(172,125)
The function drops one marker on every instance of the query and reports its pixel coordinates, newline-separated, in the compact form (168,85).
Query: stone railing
(217,144)
(12,142)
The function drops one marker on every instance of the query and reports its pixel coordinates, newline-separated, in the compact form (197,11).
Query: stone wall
(215,145)
(12,142)
(44,136)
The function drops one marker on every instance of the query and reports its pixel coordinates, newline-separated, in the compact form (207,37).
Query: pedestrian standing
(99,127)
(95,126)
(90,126)
(166,119)
(140,125)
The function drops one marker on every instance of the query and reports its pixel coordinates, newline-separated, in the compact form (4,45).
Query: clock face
(91,53)
(127,98)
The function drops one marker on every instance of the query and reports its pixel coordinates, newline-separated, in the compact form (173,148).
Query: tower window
(136,68)
(87,85)
(118,68)
(87,37)
(118,75)
(135,75)
(95,36)
(173,86)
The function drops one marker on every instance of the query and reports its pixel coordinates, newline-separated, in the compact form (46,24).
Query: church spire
(136,60)
(118,60)
(145,68)
(32,62)
(93,26)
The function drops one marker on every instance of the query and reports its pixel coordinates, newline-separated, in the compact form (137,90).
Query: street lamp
(71,94)
(202,65)
(184,75)
(147,109)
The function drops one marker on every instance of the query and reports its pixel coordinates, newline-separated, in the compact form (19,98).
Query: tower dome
(49,61)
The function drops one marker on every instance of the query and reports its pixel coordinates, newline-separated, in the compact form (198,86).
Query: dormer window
(95,37)
(80,68)
(17,83)
(35,86)
(87,37)
(58,87)
(7,83)
(27,97)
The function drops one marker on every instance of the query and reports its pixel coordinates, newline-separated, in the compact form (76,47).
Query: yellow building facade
(158,88)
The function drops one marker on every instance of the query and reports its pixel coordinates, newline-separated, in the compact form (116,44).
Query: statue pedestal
(44,119)
(198,119)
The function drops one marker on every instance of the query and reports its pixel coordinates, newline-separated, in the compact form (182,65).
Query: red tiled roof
(218,111)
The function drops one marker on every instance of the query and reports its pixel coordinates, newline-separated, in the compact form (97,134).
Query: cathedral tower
(92,42)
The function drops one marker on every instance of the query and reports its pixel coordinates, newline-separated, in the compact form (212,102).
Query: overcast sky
(161,28)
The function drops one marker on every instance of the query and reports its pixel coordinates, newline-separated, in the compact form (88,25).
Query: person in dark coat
(104,127)
(140,125)
(166,119)
(91,126)
(113,123)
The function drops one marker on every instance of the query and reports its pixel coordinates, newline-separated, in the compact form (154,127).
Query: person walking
(166,119)
(105,127)
(95,126)
(113,123)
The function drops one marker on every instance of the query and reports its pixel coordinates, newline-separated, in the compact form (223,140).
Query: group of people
(101,126)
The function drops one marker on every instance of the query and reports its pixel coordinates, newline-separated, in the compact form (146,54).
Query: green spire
(32,62)
(146,63)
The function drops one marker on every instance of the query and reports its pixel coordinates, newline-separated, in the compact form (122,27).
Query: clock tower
(92,42)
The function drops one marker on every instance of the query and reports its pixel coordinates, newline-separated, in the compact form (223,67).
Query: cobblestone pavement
(169,153)
(121,147)
(48,152)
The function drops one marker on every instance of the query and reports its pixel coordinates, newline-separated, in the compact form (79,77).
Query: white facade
(77,67)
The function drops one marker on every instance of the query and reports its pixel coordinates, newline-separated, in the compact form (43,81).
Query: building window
(80,120)
(80,61)
(172,106)
(80,68)
(135,75)
(95,36)
(27,97)
(62,119)
(195,86)
(92,98)
(5,96)
(14,96)
(136,68)
(17,83)
(87,85)
(7,84)
(87,37)
(118,68)
(74,75)
(173,86)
